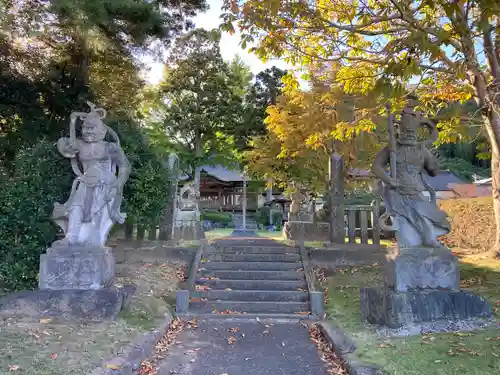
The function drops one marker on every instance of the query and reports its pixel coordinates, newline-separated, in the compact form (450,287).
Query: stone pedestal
(187,226)
(384,306)
(422,286)
(422,268)
(74,267)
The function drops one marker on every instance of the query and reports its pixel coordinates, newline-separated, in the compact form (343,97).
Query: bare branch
(407,15)
(489,49)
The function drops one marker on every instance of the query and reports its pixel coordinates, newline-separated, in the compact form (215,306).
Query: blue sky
(229,46)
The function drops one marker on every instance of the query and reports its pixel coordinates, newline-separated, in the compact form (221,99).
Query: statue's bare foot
(64,242)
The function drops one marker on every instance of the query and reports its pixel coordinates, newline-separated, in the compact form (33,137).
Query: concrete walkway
(243,348)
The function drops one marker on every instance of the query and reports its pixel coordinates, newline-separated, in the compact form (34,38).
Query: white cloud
(229,46)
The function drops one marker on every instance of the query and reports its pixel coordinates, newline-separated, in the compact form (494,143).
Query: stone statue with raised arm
(102,170)
(81,259)
(417,220)
(422,277)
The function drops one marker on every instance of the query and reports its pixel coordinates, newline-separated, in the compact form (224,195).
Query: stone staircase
(255,279)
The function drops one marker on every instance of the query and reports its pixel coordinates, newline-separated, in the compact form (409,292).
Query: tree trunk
(197,170)
(336,195)
(493,128)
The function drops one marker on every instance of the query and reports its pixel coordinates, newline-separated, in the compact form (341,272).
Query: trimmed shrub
(217,217)
(146,192)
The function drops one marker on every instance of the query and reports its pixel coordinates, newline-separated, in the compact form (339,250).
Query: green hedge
(42,176)
(217,217)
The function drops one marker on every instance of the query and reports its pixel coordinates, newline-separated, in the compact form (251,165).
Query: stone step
(247,266)
(253,295)
(253,275)
(255,250)
(220,284)
(285,258)
(260,307)
(249,317)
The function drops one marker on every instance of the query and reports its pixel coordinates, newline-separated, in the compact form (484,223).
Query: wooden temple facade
(222,189)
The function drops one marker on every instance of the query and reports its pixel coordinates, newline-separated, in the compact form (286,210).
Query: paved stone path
(259,349)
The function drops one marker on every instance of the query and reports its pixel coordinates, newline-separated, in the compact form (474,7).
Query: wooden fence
(362,221)
(151,232)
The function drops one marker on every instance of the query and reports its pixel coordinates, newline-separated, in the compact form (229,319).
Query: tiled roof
(219,172)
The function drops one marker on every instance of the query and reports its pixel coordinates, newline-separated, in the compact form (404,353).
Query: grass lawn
(434,354)
(49,348)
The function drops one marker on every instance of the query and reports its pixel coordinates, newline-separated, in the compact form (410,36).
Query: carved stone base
(188,231)
(73,267)
(422,268)
(386,307)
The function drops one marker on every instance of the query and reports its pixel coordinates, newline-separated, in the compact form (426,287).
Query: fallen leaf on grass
(13,368)
(493,338)
(463,334)
(231,340)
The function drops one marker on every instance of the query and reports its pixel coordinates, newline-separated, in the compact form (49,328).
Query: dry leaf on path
(335,364)
(45,320)
(113,366)
(234,330)
(231,340)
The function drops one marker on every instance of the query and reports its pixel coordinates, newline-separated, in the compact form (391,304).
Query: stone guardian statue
(102,170)
(417,220)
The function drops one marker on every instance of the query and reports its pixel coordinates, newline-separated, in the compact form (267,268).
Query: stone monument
(187,225)
(422,277)
(300,218)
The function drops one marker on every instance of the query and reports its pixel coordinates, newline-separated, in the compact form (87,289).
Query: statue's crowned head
(411,122)
(93,128)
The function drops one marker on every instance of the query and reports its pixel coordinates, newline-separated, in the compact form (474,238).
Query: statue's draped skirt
(93,197)
(415,207)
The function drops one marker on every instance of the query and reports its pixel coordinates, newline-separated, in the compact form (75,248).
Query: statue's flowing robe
(94,190)
(408,200)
